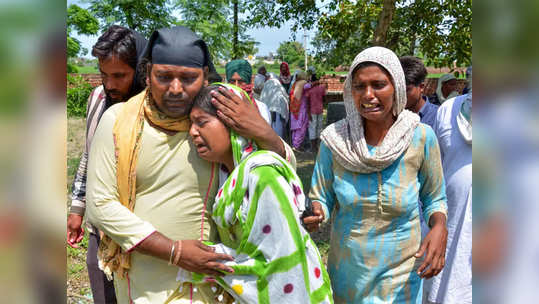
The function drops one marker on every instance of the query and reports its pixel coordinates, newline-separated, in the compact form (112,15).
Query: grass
(276,71)
(76,137)
(78,284)
(87,69)
(438,75)
(221,70)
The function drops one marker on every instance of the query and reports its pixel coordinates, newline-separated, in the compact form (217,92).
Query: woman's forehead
(371,71)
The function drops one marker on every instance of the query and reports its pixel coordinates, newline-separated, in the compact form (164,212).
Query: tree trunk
(236,30)
(412,44)
(384,21)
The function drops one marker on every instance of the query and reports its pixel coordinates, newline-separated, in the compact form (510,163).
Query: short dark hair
(414,70)
(203,99)
(117,40)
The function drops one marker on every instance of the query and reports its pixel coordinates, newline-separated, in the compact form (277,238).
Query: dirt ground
(78,285)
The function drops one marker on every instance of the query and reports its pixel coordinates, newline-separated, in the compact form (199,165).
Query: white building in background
(251,59)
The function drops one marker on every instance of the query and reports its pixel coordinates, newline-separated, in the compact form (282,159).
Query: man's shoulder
(98,93)
(433,99)
(432,107)
(113,111)
(96,98)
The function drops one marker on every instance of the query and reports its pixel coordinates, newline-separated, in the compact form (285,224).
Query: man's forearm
(156,245)
(269,140)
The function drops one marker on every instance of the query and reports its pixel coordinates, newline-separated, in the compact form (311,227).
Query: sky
(269,38)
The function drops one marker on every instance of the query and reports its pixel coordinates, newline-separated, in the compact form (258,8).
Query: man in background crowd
(446,89)
(415,74)
(260,79)
(316,98)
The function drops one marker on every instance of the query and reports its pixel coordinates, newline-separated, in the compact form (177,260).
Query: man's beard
(114,100)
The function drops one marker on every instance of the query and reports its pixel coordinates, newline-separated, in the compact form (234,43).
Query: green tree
(292,52)
(440,30)
(213,22)
(81,21)
(302,13)
(143,16)
(209,20)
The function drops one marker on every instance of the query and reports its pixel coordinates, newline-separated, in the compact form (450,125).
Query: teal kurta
(375,228)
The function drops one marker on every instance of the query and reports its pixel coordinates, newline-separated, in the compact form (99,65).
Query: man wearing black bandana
(148,191)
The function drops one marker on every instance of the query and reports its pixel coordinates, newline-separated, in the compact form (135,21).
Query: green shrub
(71,68)
(78,92)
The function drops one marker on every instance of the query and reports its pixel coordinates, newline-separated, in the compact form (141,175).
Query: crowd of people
(188,181)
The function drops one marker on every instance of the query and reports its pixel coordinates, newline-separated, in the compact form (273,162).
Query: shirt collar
(423,109)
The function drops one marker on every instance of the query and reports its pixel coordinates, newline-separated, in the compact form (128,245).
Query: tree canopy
(81,21)
(212,20)
(143,16)
(438,31)
(292,52)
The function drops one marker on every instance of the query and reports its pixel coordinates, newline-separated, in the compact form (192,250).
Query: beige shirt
(172,184)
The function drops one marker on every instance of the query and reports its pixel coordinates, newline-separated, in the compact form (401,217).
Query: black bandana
(177,46)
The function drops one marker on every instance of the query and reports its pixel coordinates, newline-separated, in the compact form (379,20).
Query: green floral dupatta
(257,213)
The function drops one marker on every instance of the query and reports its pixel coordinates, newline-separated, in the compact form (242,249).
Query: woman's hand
(239,114)
(312,223)
(434,245)
(243,117)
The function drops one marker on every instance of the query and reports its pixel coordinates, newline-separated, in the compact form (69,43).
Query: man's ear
(206,73)
(422,88)
(148,74)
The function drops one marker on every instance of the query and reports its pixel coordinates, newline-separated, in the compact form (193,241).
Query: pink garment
(299,126)
(315,97)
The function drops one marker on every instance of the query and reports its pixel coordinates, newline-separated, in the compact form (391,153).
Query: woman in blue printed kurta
(370,183)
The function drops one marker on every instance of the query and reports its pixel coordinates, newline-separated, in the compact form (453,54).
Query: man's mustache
(112,92)
(173,98)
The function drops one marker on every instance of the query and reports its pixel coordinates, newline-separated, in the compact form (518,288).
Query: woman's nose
(193,130)
(369,93)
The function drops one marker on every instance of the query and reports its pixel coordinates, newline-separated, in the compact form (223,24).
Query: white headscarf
(259,83)
(346,138)
(464,118)
(441,80)
(275,97)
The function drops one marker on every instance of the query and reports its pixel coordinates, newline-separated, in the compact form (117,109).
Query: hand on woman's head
(210,135)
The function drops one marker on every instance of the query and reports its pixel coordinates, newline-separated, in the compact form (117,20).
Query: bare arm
(195,256)
(434,246)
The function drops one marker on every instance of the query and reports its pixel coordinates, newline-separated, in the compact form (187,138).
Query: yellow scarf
(127,132)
